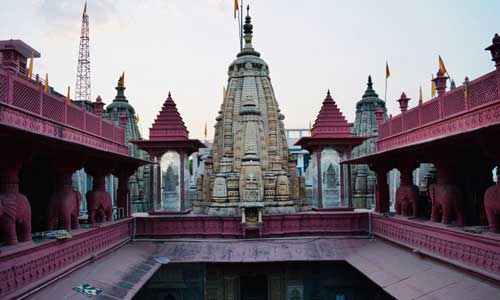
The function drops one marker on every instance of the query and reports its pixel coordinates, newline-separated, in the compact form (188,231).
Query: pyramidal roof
(330,123)
(168,125)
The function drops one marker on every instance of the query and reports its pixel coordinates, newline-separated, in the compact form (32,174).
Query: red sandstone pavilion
(405,255)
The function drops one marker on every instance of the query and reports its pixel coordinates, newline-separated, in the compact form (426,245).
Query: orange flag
(236,8)
(442,67)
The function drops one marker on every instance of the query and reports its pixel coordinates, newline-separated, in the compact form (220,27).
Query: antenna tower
(82,90)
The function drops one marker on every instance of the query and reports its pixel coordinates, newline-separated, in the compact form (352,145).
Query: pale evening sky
(186,46)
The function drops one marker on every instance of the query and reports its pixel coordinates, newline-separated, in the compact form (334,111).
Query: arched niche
(330,167)
(170,181)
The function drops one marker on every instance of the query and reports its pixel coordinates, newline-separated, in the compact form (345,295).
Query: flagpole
(241,25)
(385,96)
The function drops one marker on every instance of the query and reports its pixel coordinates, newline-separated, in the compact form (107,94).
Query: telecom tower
(82,90)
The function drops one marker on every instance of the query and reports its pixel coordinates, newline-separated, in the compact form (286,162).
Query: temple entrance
(253,287)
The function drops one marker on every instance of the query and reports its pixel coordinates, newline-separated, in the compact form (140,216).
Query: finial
(369,89)
(494,49)
(169,95)
(328,93)
(453,85)
(85,8)
(403,102)
(98,99)
(247,36)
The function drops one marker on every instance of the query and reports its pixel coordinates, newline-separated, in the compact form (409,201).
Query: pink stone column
(181,166)
(320,178)
(158,185)
(382,192)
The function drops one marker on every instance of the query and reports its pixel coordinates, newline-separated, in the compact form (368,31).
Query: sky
(185,47)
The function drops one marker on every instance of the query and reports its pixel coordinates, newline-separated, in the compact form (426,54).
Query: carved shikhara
(249,157)
(479,254)
(24,269)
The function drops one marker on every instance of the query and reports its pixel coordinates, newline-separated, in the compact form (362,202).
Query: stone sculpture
(64,209)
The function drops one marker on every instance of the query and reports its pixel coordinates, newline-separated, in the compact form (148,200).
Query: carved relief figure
(220,189)
(282,189)
(331,177)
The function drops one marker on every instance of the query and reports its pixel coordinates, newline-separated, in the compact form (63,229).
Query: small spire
(169,95)
(369,89)
(328,93)
(453,85)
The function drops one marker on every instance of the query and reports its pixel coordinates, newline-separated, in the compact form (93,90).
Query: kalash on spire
(249,168)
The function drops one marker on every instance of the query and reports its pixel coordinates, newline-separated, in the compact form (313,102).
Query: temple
(249,165)
(253,214)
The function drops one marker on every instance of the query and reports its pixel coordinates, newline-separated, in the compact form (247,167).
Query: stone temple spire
(249,165)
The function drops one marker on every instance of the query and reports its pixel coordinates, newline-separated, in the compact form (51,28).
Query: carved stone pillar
(99,205)
(381,191)
(123,193)
(15,216)
(64,203)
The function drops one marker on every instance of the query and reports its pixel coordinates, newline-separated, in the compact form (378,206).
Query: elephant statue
(449,199)
(492,207)
(15,218)
(99,206)
(64,210)
(407,196)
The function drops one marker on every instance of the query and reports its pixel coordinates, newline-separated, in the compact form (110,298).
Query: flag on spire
(236,8)
(46,86)
(137,119)
(387,71)
(420,96)
(433,87)
(224,92)
(30,68)
(67,95)
(442,67)
(85,8)
(122,79)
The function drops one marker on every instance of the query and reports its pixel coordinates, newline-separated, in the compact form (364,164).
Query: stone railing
(478,253)
(334,223)
(25,266)
(27,106)
(453,112)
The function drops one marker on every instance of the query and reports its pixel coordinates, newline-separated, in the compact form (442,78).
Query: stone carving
(447,201)
(64,209)
(15,217)
(220,189)
(282,189)
(99,202)
(407,197)
(492,207)
(407,194)
(171,180)
(331,177)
